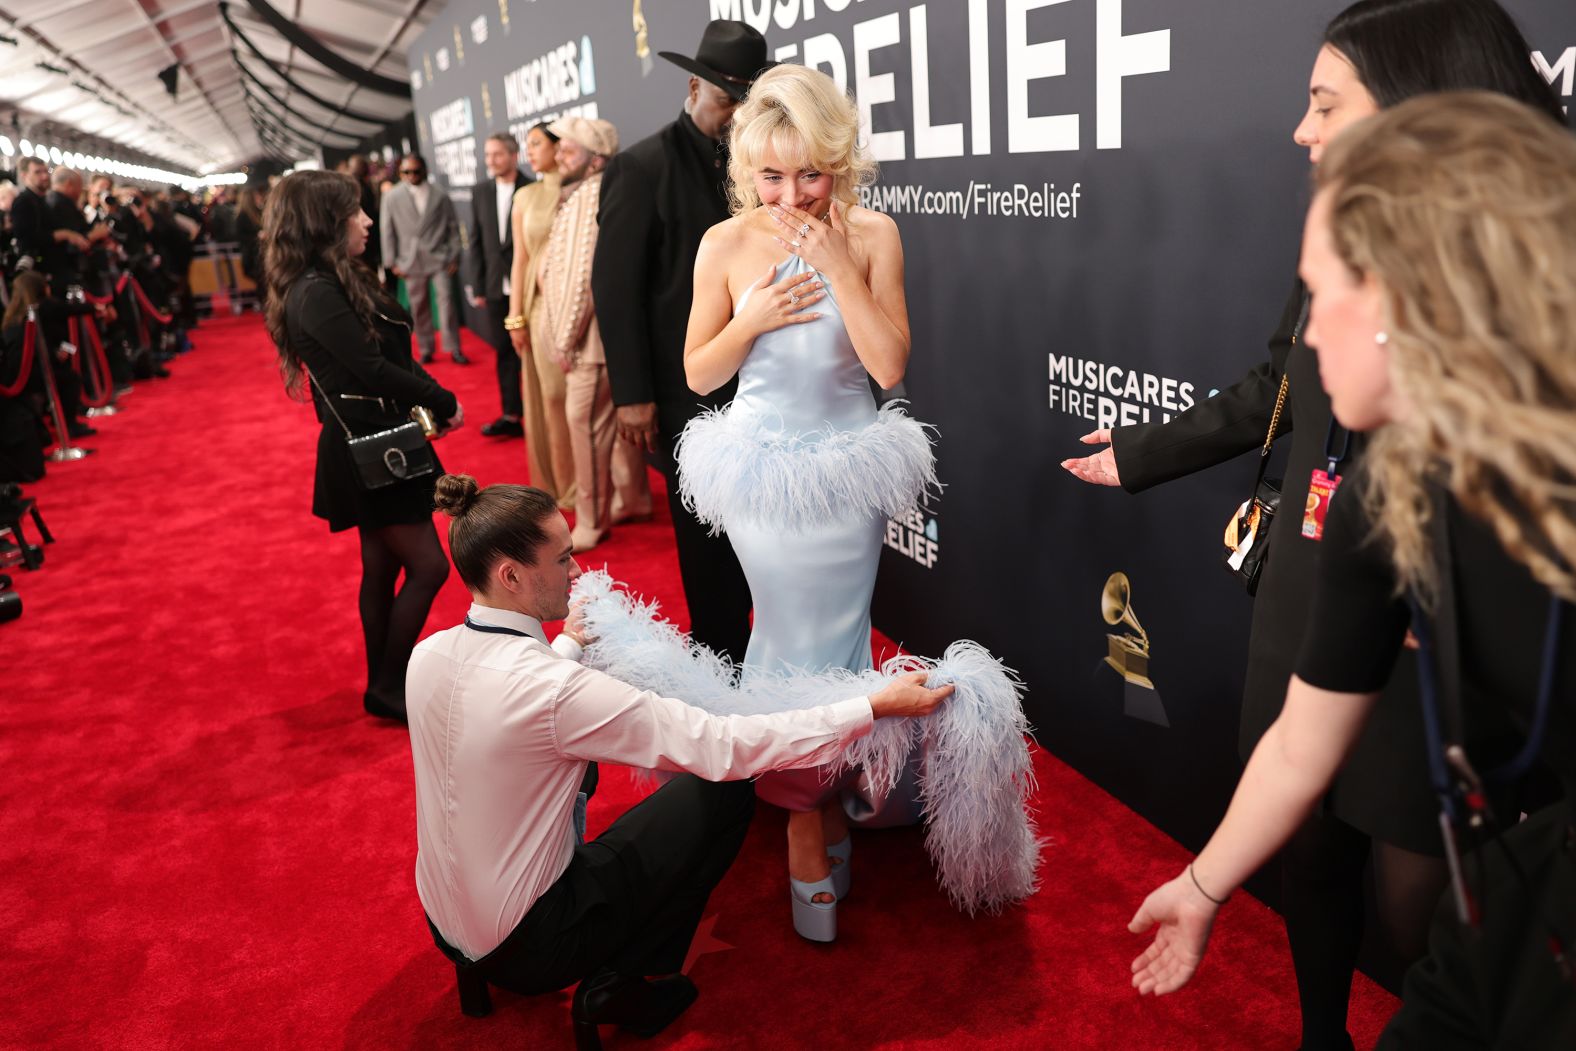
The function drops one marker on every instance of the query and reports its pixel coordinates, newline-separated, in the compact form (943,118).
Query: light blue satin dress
(801,470)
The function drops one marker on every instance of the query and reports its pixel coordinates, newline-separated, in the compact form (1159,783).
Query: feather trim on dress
(976,778)
(732,467)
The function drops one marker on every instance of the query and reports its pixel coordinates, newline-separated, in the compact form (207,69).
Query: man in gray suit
(421,243)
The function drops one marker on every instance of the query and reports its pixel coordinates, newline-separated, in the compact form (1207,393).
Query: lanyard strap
(1433,717)
(493,629)
(1332,458)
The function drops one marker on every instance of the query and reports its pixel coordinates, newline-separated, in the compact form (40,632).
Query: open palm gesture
(1184,918)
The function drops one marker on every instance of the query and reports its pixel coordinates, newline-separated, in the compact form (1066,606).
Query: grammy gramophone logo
(1127,652)
(642,43)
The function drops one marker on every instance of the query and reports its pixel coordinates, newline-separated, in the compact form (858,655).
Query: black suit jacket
(64,262)
(32,226)
(487,264)
(659,197)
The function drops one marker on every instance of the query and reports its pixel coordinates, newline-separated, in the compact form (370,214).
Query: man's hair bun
(455,494)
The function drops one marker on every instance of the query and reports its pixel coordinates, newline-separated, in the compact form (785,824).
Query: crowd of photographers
(102,271)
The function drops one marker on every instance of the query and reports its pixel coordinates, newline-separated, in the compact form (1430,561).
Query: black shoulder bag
(394,454)
(1248,532)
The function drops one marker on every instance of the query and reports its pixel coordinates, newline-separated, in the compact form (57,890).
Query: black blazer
(1383,788)
(31,225)
(330,339)
(659,197)
(334,345)
(488,262)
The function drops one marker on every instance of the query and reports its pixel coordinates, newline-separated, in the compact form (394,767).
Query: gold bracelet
(514,321)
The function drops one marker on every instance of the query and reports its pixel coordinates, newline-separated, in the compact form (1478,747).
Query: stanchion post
(64,450)
(88,323)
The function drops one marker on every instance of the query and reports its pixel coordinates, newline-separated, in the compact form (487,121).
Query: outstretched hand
(908,695)
(1184,918)
(1099,469)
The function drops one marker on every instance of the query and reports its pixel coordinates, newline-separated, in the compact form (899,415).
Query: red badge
(1321,490)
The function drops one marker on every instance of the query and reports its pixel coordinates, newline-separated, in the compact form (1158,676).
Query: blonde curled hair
(800,115)
(1463,206)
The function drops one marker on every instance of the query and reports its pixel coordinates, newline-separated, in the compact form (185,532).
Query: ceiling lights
(122,169)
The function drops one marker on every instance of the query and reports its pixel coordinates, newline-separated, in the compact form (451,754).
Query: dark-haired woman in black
(343,342)
(1375,55)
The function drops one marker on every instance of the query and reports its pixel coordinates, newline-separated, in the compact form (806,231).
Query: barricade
(33,336)
(92,364)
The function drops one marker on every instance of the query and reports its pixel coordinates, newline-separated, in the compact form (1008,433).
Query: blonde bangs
(799,116)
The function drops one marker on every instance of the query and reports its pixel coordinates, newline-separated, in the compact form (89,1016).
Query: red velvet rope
(147,304)
(100,364)
(27,362)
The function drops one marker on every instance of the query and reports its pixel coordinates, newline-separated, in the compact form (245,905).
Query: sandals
(842,873)
(814,920)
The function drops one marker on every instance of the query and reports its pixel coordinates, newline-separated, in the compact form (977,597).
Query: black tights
(1322,871)
(391,621)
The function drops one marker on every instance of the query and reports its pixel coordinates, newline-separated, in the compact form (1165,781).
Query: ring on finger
(804,231)
(793,297)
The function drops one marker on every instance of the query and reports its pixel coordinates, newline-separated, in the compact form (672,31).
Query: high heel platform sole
(842,874)
(814,921)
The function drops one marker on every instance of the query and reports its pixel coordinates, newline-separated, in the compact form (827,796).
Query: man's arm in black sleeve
(1214,430)
(627,217)
(474,268)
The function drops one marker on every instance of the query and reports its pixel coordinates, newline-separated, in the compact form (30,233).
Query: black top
(53,315)
(335,347)
(659,197)
(64,262)
(32,225)
(1383,789)
(1491,614)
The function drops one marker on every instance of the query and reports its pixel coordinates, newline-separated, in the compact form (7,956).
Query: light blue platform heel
(815,921)
(843,871)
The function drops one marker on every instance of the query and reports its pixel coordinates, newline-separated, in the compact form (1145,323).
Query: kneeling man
(503,727)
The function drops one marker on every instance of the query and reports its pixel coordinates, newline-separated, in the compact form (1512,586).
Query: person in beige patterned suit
(610,475)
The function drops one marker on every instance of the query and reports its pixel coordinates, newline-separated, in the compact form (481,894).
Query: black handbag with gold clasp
(1248,533)
(394,454)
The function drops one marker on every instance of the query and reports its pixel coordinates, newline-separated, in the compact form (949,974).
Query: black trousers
(715,589)
(630,899)
(1499,985)
(508,361)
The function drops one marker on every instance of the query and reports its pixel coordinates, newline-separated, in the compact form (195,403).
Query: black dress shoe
(642,1007)
(460,358)
(78,429)
(383,709)
(503,427)
(425,357)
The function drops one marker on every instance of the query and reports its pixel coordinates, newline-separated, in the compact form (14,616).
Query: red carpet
(206,844)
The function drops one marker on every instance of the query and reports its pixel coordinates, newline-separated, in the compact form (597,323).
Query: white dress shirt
(501,729)
(419,193)
(505,189)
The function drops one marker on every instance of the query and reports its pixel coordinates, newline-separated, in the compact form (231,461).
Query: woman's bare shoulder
(866,222)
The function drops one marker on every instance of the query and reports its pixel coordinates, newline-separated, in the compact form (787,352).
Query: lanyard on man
(588,783)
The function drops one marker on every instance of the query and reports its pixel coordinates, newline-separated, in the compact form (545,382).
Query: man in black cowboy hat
(658,198)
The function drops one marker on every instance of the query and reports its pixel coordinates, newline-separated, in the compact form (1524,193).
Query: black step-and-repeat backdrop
(1100,203)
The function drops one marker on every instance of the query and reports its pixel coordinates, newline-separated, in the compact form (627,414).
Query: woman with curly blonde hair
(1440,252)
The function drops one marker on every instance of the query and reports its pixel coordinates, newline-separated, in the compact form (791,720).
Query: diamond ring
(793,297)
(804,231)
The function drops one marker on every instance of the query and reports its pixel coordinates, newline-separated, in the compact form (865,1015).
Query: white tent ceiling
(93,65)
